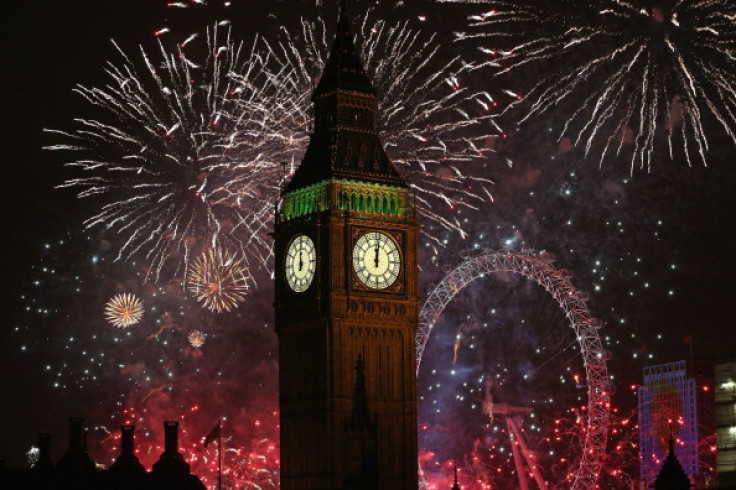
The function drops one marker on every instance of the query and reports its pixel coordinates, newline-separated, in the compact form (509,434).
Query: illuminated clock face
(376,260)
(300,263)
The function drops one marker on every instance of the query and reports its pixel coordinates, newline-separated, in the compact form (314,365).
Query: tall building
(346,296)
(725,394)
(667,410)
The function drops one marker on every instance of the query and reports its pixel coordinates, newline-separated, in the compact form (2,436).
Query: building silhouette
(346,296)
(671,476)
(76,470)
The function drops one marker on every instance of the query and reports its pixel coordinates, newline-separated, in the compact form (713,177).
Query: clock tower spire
(345,143)
(346,295)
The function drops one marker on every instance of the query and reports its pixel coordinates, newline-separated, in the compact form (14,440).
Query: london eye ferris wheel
(512,375)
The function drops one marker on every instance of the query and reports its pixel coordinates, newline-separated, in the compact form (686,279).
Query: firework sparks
(124,310)
(32,455)
(173,170)
(218,279)
(192,152)
(196,338)
(627,78)
(164,328)
(155,391)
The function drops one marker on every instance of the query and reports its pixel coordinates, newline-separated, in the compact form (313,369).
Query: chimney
(84,441)
(127,461)
(75,433)
(126,440)
(44,453)
(171,462)
(171,437)
(75,459)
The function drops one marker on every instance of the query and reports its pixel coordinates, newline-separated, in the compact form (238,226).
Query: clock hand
(301,264)
(375,260)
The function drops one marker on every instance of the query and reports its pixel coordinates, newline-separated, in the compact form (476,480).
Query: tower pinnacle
(672,476)
(345,143)
(344,69)
(455,485)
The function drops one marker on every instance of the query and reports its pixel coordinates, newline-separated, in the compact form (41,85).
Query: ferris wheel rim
(538,267)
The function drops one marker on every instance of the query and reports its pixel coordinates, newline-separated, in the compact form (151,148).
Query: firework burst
(124,310)
(189,152)
(218,279)
(627,78)
(437,130)
(196,338)
(32,455)
(167,157)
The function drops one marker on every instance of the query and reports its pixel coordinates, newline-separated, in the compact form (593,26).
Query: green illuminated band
(343,195)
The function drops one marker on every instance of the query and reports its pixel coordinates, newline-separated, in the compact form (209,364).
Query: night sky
(653,249)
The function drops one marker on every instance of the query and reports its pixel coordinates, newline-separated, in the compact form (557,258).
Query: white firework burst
(175,166)
(124,310)
(189,153)
(628,79)
(218,279)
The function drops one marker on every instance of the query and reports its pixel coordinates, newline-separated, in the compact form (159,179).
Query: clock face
(300,263)
(376,260)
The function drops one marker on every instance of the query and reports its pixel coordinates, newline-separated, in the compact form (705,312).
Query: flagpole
(219,455)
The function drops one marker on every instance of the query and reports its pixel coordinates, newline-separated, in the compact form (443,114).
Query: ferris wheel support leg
(521,473)
(528,456)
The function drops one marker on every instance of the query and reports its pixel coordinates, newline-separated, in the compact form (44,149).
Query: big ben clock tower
(346,297)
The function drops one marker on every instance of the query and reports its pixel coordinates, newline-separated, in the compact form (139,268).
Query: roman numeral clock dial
(376,260)
(300,263)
